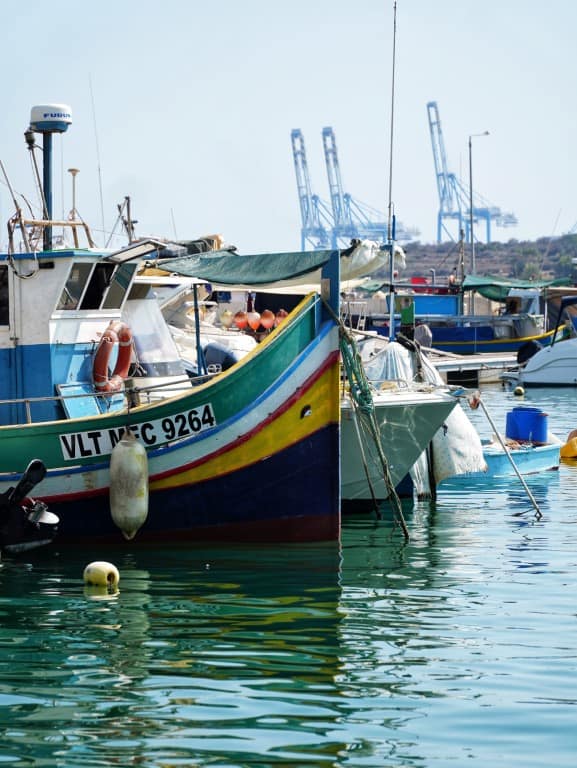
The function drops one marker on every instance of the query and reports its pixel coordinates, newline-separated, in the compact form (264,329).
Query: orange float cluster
(254,320)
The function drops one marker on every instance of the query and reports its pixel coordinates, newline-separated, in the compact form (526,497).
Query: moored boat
(526,448)
(407,419)
(215,332)
(518,318)
(528,458)
(551,366)
(250,453)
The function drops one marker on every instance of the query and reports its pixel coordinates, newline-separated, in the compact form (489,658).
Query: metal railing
(132,396)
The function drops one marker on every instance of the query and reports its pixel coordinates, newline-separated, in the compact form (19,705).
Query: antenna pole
(390,207)
(97,156)
(390,219)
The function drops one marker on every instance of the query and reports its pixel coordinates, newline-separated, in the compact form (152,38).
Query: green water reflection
(355,654)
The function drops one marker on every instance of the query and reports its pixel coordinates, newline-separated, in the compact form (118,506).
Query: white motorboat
(552,366)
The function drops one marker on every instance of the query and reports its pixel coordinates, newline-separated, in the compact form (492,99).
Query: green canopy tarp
(229,268)
(497,288)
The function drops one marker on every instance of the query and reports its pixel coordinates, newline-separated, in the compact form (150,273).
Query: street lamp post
(471,215)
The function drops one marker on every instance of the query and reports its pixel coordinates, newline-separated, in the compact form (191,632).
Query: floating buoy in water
(569,450)
(101,574)
(519,391)
(128,484)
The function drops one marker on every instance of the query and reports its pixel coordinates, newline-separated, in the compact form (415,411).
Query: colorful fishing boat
(215,332)
(88,363)
(518,320)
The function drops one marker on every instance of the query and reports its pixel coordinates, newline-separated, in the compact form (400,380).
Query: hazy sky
(187,107)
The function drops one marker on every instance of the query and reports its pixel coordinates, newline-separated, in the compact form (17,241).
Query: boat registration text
(100,442)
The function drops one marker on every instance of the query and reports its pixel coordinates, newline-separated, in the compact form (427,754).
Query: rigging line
(97,155)
(550,242)
(538,513)
(365,463)
(362,399)
(173,223)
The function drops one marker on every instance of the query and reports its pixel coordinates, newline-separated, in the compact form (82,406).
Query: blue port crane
(454,198)
(351,218)
(315,214)
(345,218)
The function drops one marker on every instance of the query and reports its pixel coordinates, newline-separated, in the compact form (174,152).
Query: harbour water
(458,648)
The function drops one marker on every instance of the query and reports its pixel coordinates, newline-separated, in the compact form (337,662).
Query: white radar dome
(50,118)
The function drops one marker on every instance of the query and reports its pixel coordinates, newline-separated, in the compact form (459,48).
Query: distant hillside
(546,258)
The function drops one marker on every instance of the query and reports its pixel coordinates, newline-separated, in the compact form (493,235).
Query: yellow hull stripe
(319,402)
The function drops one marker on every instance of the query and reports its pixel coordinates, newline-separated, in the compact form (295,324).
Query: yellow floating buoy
(569,450)
(129,484)
(101,574)
(519,391)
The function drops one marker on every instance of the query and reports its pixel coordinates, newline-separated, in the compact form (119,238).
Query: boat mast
(390,216)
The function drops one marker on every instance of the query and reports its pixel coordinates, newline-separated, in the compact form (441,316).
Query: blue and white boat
(521,321)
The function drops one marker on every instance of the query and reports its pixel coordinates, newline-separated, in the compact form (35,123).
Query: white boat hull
(554,366)
(407,421)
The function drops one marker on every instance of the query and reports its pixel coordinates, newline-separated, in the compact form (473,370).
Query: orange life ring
(116,333)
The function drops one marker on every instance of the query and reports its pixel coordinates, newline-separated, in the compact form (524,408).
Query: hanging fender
(116,333)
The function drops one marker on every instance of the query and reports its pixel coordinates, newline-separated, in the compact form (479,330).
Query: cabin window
(4,299)
(118,286)
(74,287)
(96,286)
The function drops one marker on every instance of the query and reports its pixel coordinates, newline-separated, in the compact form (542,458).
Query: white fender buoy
(129,484)
(101,574)
(519,391)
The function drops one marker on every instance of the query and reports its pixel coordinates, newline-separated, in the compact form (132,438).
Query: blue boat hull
(528,460)
(238,507)
(463,340)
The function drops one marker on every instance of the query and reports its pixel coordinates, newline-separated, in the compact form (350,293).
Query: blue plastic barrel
(527,424)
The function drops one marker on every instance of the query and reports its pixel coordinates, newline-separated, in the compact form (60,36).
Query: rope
(362,401)
(414,347)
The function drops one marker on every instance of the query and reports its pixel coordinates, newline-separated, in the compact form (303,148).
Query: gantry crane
(345,218)
(351,218)
(315,214)
(454,199)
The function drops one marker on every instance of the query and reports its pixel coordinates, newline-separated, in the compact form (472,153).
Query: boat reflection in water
(246,652)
